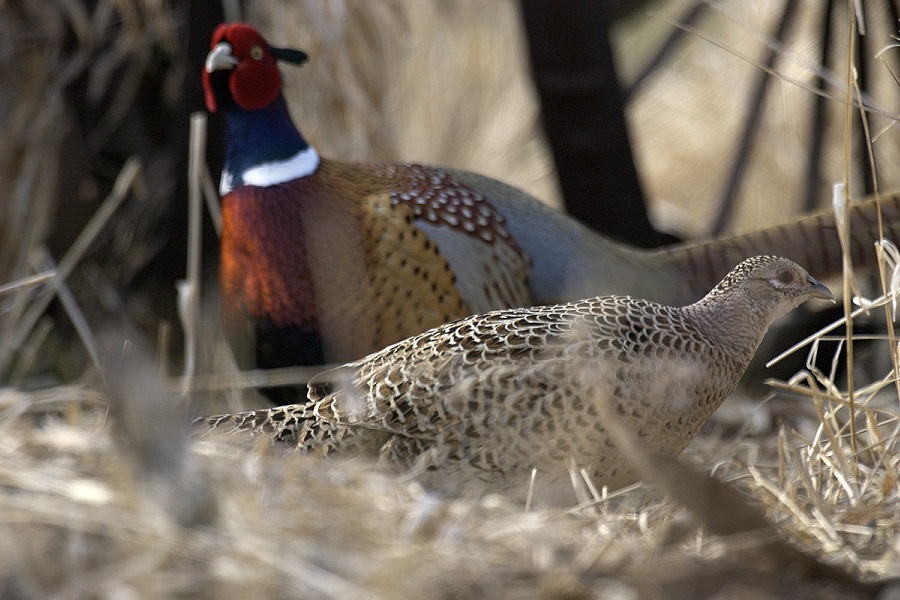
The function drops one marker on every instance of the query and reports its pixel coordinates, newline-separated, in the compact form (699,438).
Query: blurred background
(707,116)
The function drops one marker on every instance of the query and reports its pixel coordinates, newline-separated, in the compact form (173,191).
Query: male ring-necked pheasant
(326,261)
(494,396)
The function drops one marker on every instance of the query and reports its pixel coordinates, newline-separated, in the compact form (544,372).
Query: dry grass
(88,512)
(103,494)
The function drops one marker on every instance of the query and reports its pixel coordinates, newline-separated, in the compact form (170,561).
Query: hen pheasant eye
(256,53)
(786,277)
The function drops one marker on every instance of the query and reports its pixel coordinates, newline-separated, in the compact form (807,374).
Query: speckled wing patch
(491,270)
(437,198)
(413,285)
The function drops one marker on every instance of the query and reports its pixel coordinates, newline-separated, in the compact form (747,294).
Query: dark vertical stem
(751,122)
(817,123)
(863,67)
(668,48)
(583,116)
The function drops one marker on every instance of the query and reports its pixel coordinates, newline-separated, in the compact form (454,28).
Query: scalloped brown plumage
(494,396)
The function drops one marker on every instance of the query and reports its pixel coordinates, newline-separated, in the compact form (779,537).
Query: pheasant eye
(785,277)
(256,53)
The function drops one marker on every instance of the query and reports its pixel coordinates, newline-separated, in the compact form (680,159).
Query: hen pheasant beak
(220,57)
(818,289)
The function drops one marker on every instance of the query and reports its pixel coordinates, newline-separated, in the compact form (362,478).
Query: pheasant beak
(220,57)
(818,289)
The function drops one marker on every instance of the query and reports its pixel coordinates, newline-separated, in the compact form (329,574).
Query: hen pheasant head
(755,294)
(771,280)
(241,68)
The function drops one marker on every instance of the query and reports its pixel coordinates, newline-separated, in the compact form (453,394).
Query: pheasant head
(755,294)
(241,79)
(241,68)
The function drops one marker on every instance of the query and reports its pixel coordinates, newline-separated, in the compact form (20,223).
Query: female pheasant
(494,396)
(326,261)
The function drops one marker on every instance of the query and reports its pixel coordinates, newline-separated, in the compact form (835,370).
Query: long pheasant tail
(811,240)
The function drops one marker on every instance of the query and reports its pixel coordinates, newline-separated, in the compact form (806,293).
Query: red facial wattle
(255,81)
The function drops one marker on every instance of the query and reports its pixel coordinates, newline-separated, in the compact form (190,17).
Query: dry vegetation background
(119,503)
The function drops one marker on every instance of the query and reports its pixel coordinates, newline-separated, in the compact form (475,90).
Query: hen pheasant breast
(494,396)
